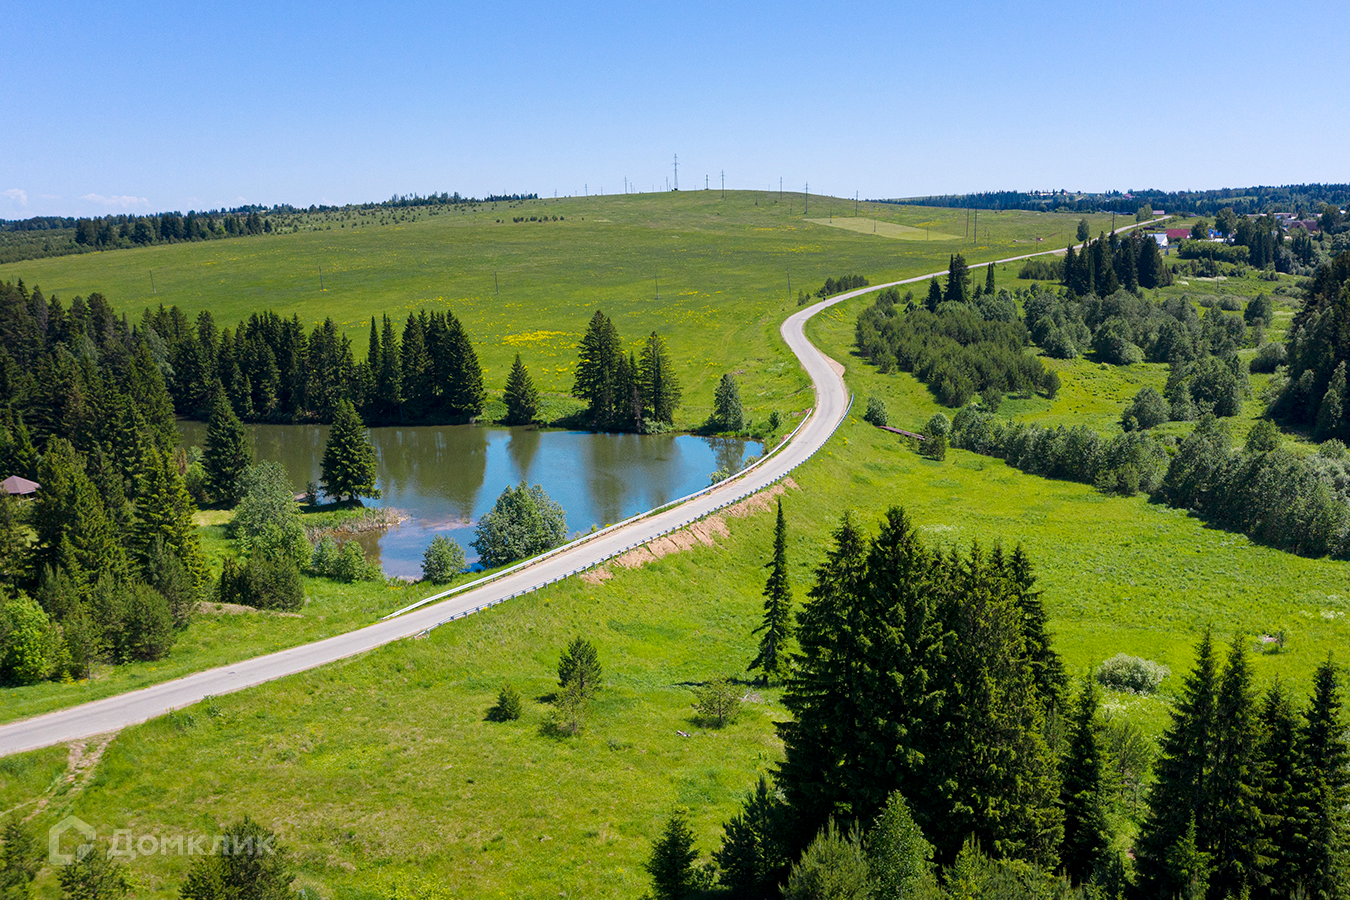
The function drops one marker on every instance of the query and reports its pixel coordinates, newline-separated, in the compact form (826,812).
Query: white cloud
(121,202)
(17,195)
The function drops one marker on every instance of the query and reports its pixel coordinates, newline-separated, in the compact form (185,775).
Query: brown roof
(19,487)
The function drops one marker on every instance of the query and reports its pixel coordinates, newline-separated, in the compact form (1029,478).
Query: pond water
(446,477)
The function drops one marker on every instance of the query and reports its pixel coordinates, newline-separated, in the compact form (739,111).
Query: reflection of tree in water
(446,463)
(728,452)
(522,447)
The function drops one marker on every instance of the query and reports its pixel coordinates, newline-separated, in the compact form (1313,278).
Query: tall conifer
(227,453)
(777,624)
(1323,792)
(1236,829)
(1086,833)
(660,385)
(522,400)
(348,466)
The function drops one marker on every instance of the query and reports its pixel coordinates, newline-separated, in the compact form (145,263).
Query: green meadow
(722,268)
(381,773)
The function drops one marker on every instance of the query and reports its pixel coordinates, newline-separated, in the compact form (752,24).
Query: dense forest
(1294,198)
(115,567)
(934,731)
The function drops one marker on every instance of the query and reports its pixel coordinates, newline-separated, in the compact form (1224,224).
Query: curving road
(114,713)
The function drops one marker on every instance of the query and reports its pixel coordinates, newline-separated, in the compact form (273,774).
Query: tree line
(1311,390)
(272,370)
(1295,198)
(114,567)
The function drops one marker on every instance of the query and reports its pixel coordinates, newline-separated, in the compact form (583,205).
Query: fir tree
(349,469)
(776,627)
(1180,797)
(597,366)
(660,385)
(415,370)
(727,414)
(1047,668)
(1280,768)
(1086,833)
(164,515)
(1236,835)
(671,865)
(522,400)
(1329,411)
(388,377)
(958,278)
(227,453)
(752,860)
(1323,792)
(934,295)
(989,280)
(579,668)
(464,394)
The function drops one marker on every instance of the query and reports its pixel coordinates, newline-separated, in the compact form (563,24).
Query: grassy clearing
(382,770)
(530,287)
(869,225)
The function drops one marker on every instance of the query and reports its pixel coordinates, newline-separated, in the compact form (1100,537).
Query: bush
(1131,674)
(1269,357)
(939,425)
(443,560)
(26,644)
(876,411)
(508,706)
(267,581)
(138,623)
(833,867)
(523,522)
(266,498)
(1147,409)
(718,702)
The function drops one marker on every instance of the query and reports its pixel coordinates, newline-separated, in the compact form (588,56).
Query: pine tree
(579,668)
(1279,808)
(958,278)
(660,385)
(934,295)
(597,366)
(1180,797)
(388,378)
(164,515)
(1086,833)
(522,400)
(415,370)
(771,658)
(1323,792)
(727,414)
(348,467)
(752,860)
(1236,829)
(227,453)
(671,865)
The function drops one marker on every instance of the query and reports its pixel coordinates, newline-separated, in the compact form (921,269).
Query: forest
(1294,198)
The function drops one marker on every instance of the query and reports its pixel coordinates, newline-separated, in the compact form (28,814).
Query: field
(722,268)
(384,778)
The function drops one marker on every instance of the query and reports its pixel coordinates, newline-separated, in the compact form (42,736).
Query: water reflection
(446,477)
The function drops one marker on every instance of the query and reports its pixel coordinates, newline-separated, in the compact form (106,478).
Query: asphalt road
(115,713)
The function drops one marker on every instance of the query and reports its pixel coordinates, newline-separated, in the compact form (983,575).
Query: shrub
(508,706)
(267,581)
(443,560)
(834,866)
(1269,357)
(138,623)
(876,411)
(1131,674)
(266,498)
(25,642)
(939,425)
(1147,409)
(718,702)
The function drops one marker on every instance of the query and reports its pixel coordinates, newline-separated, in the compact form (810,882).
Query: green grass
(723,265)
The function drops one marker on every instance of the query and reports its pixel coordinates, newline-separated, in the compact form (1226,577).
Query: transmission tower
(677,171)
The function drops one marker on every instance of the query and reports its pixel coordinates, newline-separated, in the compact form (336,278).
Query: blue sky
(138,107)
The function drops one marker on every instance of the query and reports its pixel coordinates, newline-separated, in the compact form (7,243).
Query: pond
(446,477)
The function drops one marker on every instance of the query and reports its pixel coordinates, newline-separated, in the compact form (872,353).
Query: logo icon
(54,834)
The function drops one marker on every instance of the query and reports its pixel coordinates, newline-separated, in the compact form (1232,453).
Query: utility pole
(658,286)
(789,271)
(967,223)
(724,184)
(152,282)
(495,286)
(977,226)
(806,202)
(677,171)
(855,204)
(1113,221)
(705,182)
(780,188)
(320,277)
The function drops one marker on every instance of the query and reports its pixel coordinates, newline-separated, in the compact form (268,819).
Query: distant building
(1159,212)
(1178,234)
(19,487)
(1161,238)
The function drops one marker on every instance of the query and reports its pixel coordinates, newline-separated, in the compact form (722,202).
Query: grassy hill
(723,267)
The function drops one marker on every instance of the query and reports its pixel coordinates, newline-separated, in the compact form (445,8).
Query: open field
(380,771)
(723,266)
(869,225)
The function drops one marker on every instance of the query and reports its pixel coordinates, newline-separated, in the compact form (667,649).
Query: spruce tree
(1180,797)
(727,414)
(164,516)
(771,658)
(1047,668)
(1086,833)
(671,865)
(934,295)
(579,668)
(227,452)
(597,365)
(348,467)
(1330,413)
(660,385)
(415,370)
(465,393)
(989,280)
(1279,767)
(958,276)
(388,378)
(1236,829)
(1323,792)
(522,400)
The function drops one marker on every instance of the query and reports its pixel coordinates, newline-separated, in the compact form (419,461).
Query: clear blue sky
(151,106)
